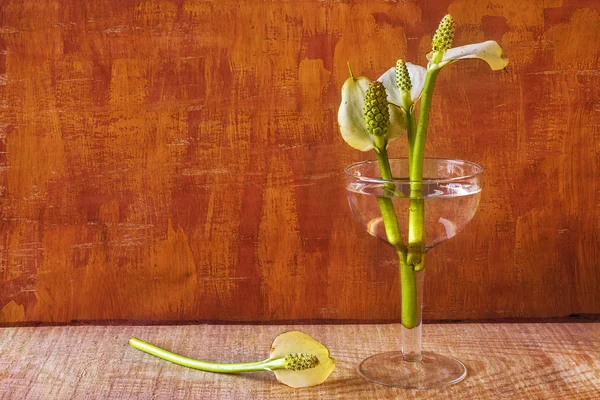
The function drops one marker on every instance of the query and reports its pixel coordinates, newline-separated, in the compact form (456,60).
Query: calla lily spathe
(351,116)
(417,78)
(488,51)
(300,342)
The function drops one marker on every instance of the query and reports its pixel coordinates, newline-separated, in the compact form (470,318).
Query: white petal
(397,123)
(417,78)
(489,51)
(389,83)
(351,114)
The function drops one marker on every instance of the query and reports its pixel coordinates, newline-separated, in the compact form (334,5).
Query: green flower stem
(408,285)
(386,205)
(390,221)
(382,158)
(408,288)
(411,125)
(266,365)
(416,220)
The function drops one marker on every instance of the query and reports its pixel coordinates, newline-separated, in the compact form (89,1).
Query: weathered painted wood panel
(180,160)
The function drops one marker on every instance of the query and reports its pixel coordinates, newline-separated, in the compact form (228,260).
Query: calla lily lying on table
(296,341)
(297,359)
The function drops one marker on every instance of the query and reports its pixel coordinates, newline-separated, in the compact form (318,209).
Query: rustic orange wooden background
(180,160)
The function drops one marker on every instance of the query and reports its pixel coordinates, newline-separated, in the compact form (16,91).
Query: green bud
(442,40)
(377,113)
(402,78)
(300,361)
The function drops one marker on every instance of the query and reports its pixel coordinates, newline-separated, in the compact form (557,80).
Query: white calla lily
(299,342)
(351,116)
(488,51)
(297,359)
(417,78)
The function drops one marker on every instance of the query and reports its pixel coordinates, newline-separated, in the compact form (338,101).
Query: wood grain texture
(180,160)
(504,361)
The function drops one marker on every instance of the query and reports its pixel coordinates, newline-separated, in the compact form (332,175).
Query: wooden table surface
(513,361)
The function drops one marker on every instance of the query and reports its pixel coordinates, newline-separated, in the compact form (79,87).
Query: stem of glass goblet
(412,337)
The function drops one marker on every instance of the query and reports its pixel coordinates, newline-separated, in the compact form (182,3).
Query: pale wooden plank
(524,361)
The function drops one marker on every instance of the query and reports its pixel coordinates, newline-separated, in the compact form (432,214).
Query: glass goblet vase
(446,200)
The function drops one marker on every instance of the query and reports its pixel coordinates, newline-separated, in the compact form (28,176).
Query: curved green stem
(390,222)
(384,162)
(266,365)
(386,205)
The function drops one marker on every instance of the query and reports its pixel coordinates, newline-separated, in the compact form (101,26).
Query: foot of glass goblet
(433,370)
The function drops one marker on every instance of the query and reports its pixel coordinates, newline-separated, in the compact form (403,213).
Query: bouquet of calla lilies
(372,114)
